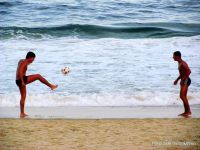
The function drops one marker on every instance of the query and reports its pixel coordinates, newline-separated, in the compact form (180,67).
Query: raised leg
(35,77)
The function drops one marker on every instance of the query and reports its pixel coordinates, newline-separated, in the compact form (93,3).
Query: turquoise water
(99,19)
(119,52)
(145,30)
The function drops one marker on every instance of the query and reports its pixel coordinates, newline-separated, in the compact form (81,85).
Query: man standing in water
(184,72)
(22,80)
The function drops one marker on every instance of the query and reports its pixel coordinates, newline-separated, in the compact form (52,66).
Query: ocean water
(119,52)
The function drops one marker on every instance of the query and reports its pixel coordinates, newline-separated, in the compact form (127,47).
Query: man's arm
(179,77)
(175,82)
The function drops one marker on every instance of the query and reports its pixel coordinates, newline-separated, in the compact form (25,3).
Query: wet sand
(104,134)
(89,112)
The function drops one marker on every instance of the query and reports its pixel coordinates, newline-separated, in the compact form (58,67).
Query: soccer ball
(65,70)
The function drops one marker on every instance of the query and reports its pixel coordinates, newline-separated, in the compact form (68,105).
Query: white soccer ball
(65,70)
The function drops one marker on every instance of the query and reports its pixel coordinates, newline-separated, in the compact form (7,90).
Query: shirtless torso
(184,72)
(21,64)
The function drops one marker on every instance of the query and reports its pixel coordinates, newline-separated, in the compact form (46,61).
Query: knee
(22,102)
(23,97)
(39,76)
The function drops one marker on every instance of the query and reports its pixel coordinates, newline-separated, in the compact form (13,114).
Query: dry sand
(127,134)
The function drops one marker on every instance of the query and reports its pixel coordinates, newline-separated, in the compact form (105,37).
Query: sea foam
(103,99)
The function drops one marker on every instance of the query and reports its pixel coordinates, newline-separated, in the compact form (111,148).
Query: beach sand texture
(127,134)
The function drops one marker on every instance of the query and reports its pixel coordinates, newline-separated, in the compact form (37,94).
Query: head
(177,56)
(30,56)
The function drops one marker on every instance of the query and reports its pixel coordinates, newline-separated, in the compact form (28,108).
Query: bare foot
(185,114)
(23,115)
(53,87)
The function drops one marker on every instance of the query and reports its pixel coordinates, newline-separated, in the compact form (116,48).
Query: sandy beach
(127,134)
(99,128)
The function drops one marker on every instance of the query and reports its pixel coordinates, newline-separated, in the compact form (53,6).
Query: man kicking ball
(184,72)
(22,80)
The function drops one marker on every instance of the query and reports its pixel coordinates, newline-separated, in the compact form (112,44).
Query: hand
(175,82)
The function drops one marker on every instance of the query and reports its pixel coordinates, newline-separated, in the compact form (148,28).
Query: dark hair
(177,53)
(30,55)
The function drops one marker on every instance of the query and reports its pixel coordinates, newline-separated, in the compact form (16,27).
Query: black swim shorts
(19,82)
(187,82)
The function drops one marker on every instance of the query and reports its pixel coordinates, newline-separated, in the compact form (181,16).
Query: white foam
(101,66)
(114,99)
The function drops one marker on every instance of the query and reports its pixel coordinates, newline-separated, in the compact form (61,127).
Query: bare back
(183,69)
(21,69)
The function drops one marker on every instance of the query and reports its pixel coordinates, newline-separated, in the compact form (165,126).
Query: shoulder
(185,65)
(21,62)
